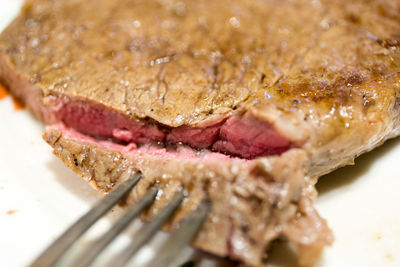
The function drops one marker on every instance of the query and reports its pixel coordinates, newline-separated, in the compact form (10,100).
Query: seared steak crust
(320,72)
(253,202)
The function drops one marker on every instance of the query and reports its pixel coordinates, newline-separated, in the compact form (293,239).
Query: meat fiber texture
(253,202)
(255,99)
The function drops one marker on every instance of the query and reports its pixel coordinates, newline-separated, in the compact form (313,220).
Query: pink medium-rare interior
(243,136)
(153,150)
(250,137)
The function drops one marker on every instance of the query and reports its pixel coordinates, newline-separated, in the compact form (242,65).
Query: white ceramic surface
(40,197)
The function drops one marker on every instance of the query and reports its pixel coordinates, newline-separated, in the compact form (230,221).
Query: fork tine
(182,236)
(148,230)
(53,253)
(90,253)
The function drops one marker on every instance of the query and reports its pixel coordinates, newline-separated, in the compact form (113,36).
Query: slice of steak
(322,76)
(244,79)
(254,202)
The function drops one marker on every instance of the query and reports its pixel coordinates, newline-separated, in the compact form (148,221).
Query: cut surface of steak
(241,135)
(241,83)
(254,202)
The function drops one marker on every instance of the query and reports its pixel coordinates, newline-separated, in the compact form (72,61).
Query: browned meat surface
(254,202)
(260,80)
(316,72)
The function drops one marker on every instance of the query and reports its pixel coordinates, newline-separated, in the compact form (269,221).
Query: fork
(177,241)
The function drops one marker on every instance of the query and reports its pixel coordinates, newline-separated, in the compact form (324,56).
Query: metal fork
(178,239)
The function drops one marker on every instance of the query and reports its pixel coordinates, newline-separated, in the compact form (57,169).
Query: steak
(255,99)
(254,202)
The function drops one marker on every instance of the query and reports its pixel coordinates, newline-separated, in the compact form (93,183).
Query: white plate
(40,197)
